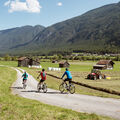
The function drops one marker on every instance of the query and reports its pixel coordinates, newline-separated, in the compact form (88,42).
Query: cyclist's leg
(41,82)
(65,81)
(70,81)
(24,80)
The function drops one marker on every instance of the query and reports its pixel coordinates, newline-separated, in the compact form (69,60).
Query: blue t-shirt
(68,74)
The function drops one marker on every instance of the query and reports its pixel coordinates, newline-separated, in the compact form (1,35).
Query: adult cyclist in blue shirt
(69,76)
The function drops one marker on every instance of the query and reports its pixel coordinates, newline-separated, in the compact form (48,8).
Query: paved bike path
(80,103)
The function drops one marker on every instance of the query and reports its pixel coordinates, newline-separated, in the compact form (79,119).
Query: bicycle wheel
(44,88)
(72,89)
(62,87)
(38,87)
(94,78)
(24,85)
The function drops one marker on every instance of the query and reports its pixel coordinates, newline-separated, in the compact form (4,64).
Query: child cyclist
(25,76)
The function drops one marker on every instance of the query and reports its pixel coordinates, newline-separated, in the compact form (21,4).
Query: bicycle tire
(72,89)
(94,78)
(62,88)
(44,88)
(38,87)
(24,85)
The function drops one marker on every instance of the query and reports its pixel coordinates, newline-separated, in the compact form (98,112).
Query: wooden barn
(64,64)
(54,61)
(25,62)
(104,64)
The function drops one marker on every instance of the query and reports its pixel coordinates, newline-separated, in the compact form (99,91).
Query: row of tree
(60,57)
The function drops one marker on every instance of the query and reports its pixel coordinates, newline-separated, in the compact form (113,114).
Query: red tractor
(95,74)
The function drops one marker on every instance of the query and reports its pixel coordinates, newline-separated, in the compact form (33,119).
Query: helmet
(66,69)
(43,69)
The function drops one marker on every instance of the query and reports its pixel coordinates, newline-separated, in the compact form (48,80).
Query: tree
(7,57)
(55,57)
(117,58)
(59,56)
(14,58)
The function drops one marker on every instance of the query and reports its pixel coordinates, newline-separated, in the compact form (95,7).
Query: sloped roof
(22,58)
(64,63)
(104,62)
(99,66)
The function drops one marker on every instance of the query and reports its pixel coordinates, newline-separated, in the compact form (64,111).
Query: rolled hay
(108,78)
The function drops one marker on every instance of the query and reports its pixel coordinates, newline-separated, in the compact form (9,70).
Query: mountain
(16,37)
(97,30)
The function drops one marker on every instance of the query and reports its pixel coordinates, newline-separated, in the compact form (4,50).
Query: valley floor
(80,103)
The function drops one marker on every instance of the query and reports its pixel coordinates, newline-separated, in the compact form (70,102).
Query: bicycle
(42,86)
(24,84)
(64,86)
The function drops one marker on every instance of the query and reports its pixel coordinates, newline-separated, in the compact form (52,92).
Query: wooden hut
(104,64)
(64,64)
(25,62)
(54,61)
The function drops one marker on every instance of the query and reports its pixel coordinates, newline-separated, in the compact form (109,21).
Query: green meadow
(80,70)
(13,107)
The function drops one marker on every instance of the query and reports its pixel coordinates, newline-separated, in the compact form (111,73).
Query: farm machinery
(96,74)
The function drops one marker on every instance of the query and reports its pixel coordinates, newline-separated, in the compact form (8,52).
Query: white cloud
(7,3)
(32,6)
(59,4)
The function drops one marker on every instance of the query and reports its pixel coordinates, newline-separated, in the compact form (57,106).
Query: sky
(17,13)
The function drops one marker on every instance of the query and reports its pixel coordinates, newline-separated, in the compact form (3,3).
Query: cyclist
(43,76)
(69,76)
(25,76)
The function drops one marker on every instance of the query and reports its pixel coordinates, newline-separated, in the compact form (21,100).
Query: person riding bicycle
(25,76)
(69,76)
(43,76)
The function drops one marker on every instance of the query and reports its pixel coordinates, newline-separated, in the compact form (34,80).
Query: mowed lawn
(13,107)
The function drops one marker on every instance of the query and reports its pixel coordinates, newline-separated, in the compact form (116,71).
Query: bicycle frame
(67,86)
(42,86)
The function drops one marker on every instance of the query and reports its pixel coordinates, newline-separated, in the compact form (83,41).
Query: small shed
(104,64)
(99,67)
(25,62)
(54,61)
(64,64)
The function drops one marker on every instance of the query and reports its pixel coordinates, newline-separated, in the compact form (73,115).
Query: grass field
(79,71)
(9,63)
(18,108)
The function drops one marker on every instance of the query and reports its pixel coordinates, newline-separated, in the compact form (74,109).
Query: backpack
(44,75)
(25,75)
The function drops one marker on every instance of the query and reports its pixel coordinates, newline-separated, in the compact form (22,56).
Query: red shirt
(43,75)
